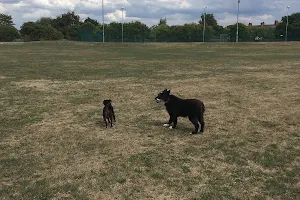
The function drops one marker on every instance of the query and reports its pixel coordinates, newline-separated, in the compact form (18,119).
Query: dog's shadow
(101,123)
(181,127)
(155,123)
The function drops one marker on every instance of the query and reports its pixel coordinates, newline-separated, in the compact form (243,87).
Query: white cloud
(37,14)
(54,4)
(150,11)
(1,8)
(178,18)
(92,5)
(255,20)
(115,16)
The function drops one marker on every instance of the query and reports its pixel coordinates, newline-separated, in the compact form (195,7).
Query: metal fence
(90,36)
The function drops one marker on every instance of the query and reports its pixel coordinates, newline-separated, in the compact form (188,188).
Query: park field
(54,144)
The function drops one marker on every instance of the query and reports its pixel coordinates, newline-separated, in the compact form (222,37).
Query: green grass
(54,144)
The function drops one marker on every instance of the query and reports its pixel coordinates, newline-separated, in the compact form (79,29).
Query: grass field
(54,144)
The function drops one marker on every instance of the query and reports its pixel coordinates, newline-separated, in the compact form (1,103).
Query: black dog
(177,107)
(108,113)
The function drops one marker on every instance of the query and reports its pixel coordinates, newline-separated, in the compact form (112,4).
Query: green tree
(33,31)
(46,21)
(6,20)
(86,32)
(113,32)
(160,33)
(293,27)
(163,21)
(68,24)
(212,24)
(88,25)
(8,33)
(209,20)
(244,33)
(133,32)
(93,21)
(177,34)
(7,30)
(193,32)
(262,33)
(136,31)
(218,30)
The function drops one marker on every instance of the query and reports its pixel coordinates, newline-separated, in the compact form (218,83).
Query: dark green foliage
(163,21)
(70,27)
(265,33)
(32,31)
(160,33)
(86,32)
(244,33)
(68,24)
(136,31)
(46,21)
(8,33)
(293,27)
(6,20)
(133,32)
(93,21)
(209,20)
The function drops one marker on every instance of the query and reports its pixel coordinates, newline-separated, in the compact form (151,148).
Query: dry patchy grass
(54,144)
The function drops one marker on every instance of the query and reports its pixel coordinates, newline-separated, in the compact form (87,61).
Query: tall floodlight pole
(103,38)
(204,24)
(237,23)
(122,25)
(287,23)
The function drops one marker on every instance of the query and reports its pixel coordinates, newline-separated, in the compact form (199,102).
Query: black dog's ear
(168,91)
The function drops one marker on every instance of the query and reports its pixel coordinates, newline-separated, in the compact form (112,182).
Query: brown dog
(108,113)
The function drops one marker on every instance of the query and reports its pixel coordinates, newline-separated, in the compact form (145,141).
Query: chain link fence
(90,36)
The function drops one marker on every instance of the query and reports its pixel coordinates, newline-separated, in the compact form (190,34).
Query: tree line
(69,26)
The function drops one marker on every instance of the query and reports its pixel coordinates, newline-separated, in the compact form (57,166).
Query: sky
(177,12)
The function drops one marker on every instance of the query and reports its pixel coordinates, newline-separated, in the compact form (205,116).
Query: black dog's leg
(174,122)
(113,114)
(114,117)
(111,121)
(104,118)
(201,120)
(194,120)
(169,122)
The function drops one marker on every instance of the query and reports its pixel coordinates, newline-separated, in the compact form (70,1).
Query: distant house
(261,36)
(262,24)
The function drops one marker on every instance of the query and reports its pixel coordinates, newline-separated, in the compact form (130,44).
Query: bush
(50,33)
(35,32)
(8,33)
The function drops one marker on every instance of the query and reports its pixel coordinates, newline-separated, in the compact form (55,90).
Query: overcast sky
(149,12)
